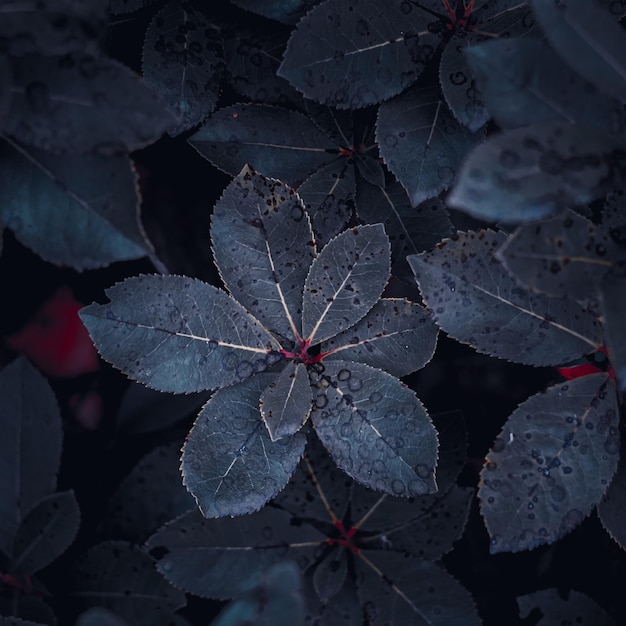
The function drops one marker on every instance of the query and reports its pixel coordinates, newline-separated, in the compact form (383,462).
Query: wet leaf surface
(613,298)
(288,12)
(347,62)
(612,507)
(230,463)
(532,172)
(421,142)
(474,299)
(89,203)
(550,464)
(178,334)
(183,62)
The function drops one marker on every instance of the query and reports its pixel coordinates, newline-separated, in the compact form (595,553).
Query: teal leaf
(121,577)
(589,39)
(81,103)
(178,334)
(375,428)
(551,464)
(46,531)
(230,464)
(182,61)
(263,247)
(532,172)
(277,142)
(88,202)
(30,446)
(474,299)
(223,559)
(396,336)
(345,281)
(100,617)
(286,402)
(421,142)
(351,55)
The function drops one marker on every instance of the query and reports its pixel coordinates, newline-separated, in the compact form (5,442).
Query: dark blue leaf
(230,464)
(396,336)
(565,256)
(100,617)
(613,299)
(410,229)
(345,281)
(178,334)
(289,11)
(121,577)
(286,402)
(81,103)
(276,142)
(475,300)
(612,507)
(182,61)
(342,609)
(46,531)
(375,428)
(411,591)
(550,464)
(126,6)
(589,39)
(357,53)
(421,143)
(329,196)
(16,621)
(6,88)
(522,82)
(152,494)
(276,601)
(330,574)
(263,247)
(370,169)
(30,446)
(51,27)
(575,608)
(532,172)
(225,558)
(89,203)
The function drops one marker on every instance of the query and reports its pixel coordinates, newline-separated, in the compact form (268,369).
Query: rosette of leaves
(558,451)
(302,336)
(37,523)
(364,556)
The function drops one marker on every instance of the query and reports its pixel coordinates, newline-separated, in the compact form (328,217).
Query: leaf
(288,12)
(345,281)
(218,559)
(550,464)
(30,446)
(286,402)
(144,410)
(612,297)
(126,6)
(151,494)
(396,336)
(121,577)
(6,88)
(182,61)
(229,463)
(51,27)
(330,574)
(410,229)
(252,56)
(410,591)
(329,198)
(178,334)
(276,601)
(522,82)
(459,85)
(88,202)
(100,617)
(81,103)
(16,621)
(575,608)
(566,255)
(375,428)
(612,507)
(276,142)
(30,611)
(351,55)
(263,247)
(531,173)
(46,531)
(370,169)
(589,39)
(474,300)
(421,143)
(343,608)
